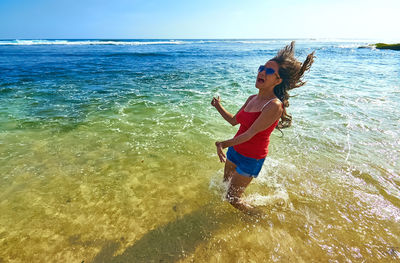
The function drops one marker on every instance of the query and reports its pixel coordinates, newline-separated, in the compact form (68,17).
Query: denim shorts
(246,166)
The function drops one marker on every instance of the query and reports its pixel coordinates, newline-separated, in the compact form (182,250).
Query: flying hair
(291,71)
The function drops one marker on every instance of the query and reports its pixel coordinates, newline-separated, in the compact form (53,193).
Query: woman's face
(268,76)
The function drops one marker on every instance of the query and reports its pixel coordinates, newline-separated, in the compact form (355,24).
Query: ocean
(107,153)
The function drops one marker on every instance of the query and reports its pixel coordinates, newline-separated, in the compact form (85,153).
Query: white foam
(354,45)
(343,40)
(30,42)
(354,42)
(279,199)
(274,170)
(217,185)
(258,41)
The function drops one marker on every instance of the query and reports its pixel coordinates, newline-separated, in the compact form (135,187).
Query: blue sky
(354,19)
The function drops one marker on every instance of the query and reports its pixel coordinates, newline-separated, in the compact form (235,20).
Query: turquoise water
(107,153)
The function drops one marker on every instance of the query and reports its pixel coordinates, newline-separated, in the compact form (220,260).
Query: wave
(29,42)
(258,41)
(342,40)
(128,42)
(136,54)
(355,45)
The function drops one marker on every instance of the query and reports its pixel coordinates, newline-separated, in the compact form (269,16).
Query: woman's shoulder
(277,102)
(273,104)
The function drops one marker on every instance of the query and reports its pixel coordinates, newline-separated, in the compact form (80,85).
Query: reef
(387,46)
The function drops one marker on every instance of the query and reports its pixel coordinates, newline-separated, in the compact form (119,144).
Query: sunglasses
(268,71)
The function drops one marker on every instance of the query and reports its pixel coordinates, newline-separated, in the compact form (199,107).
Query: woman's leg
(236,188)
(229,170)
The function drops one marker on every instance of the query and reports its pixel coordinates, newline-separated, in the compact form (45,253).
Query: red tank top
(257,146)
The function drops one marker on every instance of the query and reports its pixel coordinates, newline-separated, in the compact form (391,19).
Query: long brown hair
(291,72)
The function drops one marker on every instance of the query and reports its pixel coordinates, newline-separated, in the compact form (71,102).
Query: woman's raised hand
(216,101)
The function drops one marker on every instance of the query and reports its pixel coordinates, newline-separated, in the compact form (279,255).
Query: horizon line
(284,38)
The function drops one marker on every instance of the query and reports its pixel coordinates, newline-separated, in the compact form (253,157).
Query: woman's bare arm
(216,102)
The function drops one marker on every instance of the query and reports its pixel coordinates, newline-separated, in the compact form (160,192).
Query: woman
(258,117)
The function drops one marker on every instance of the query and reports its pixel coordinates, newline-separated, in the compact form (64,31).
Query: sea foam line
(86,42)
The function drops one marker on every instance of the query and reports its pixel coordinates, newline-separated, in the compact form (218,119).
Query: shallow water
(107,154)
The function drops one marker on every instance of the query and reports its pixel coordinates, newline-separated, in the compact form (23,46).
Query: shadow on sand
(170,242)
